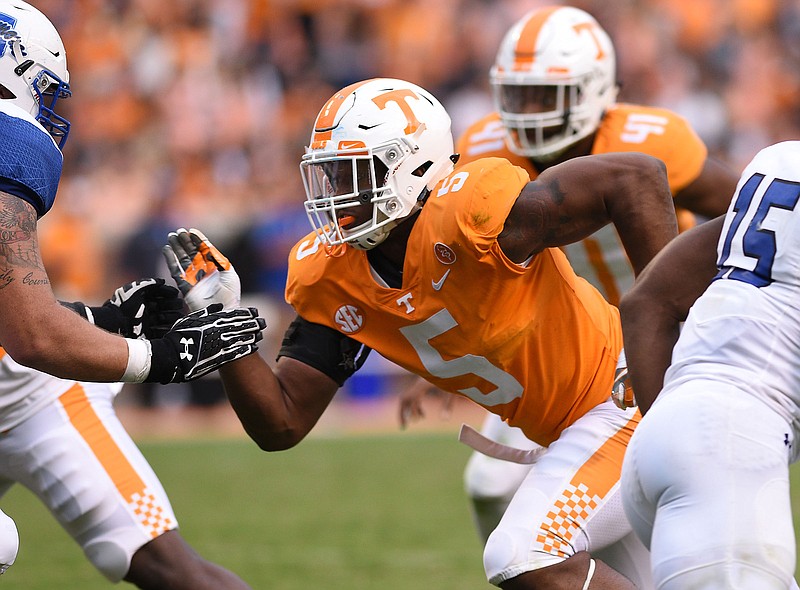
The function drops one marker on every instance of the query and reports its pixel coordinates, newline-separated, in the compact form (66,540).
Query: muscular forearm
(276,410)
(62,343)
(659,301)
(649,337)
(643,213)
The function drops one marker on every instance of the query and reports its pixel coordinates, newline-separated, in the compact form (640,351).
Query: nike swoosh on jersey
(438,284)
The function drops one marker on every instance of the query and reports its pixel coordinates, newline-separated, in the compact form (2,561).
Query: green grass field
(340,514)
(345,513)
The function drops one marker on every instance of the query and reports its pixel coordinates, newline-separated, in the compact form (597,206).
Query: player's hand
(146,308)
(203,341)
(411,401)
(622,392)
(200,271)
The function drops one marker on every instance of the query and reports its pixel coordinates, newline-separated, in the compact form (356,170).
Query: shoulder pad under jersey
(30,161)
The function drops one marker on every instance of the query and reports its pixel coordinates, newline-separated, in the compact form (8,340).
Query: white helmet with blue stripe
(33,65)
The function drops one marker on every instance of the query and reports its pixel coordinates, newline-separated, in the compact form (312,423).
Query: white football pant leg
(77,458)
(569,502)
(706,485)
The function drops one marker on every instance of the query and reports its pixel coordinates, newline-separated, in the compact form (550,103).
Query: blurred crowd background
(195,113)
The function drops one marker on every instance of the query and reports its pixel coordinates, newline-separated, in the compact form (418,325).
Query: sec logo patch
(349,319)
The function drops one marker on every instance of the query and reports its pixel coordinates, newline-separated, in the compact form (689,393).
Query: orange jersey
(533,343)
(624,128)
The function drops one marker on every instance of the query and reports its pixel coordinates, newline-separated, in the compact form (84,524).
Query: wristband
(165,363)
(139,359)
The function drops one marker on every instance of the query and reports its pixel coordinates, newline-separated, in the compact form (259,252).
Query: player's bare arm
(660,300)
(570,201)
(25,288)
(277,409)
(710,193)
(19,250)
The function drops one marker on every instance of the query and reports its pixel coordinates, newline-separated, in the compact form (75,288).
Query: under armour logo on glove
(203,341)
(186,355)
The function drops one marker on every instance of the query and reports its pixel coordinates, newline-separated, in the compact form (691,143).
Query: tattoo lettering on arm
(19,245)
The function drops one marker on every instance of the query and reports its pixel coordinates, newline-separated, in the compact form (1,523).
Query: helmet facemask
(552,81)
(349,196)
(377,148)
(542,121)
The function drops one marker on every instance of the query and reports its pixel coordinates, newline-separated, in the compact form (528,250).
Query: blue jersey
(30,161)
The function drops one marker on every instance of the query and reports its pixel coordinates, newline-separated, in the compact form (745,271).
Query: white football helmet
(383,143)
(33,65)
(553,78)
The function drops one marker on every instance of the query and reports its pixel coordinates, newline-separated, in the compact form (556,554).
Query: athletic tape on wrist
(139,358)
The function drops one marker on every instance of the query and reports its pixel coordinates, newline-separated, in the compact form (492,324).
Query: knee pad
(9,541)
(506,555)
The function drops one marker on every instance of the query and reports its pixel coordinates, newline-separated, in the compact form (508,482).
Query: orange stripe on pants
(592,482)
(595,471)
(88,424)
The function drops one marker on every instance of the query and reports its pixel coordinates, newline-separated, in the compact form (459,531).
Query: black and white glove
(201,272)
(204,341)
(146,308)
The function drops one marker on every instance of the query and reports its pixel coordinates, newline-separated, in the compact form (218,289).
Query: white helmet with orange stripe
(381,142)
(553,78)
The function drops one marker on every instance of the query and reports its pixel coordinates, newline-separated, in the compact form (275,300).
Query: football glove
(200,271)
(622,392)
(146,308)
(204,341)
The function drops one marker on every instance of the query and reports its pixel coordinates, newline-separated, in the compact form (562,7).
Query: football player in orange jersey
(457,276)
(554,84)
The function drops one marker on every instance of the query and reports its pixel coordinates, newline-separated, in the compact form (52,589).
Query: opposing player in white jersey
(554,83)
(63,441)
(34,328)
(706,475)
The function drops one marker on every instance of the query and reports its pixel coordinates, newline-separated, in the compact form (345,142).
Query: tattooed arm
(570,201)
(34,328)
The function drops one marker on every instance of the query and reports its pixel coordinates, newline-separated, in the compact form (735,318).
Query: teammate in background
(457,276)
(706,479)
(34,328)
(554,84)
